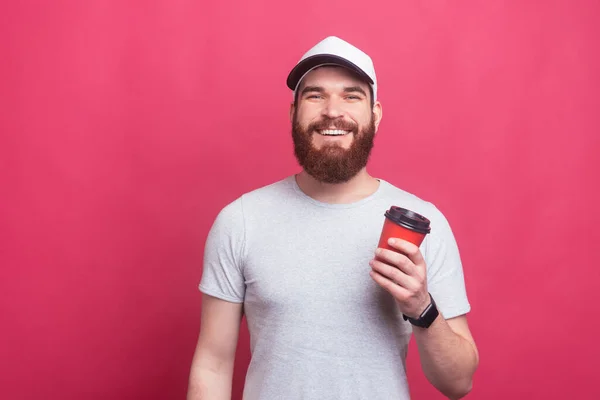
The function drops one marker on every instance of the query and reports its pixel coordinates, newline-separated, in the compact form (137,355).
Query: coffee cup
(403,224)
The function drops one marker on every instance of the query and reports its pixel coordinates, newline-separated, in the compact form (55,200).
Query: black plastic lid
(408,219)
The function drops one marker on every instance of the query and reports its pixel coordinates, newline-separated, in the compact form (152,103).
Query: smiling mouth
(332,132)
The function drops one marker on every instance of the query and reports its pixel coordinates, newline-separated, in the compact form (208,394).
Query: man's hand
(447,350)
(403,274)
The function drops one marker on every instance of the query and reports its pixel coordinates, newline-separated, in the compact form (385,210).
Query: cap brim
(320,59)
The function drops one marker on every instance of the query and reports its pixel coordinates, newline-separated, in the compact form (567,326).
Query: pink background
(125,126)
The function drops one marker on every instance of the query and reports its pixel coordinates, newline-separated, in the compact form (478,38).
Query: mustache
(335,123)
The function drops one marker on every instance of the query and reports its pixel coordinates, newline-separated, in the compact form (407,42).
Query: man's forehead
(332,76)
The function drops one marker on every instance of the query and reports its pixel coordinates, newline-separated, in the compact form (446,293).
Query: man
(330,315)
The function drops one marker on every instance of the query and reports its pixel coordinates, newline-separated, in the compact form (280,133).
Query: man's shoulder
(262,196)
(270,190)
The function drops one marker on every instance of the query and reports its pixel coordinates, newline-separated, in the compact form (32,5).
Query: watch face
(424,313)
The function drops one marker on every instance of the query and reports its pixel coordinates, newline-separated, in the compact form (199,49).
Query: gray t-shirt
(320,327)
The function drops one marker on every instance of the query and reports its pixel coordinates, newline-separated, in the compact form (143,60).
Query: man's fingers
(409,249)
(396,259)
(398,292)
(394,275)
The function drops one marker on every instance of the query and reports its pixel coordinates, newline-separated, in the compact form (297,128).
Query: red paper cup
(403,224)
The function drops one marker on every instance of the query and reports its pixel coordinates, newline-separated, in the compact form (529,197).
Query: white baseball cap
(334,51)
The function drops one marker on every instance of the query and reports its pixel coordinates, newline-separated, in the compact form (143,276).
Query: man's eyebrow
(318,89)
(355,89)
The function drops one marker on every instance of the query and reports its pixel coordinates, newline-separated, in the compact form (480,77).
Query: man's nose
(333,108)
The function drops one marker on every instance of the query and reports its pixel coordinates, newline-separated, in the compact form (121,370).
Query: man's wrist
(429,314)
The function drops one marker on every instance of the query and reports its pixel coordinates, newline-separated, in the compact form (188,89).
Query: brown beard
(332,163)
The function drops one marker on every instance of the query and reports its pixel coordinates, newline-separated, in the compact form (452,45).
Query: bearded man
(330,313)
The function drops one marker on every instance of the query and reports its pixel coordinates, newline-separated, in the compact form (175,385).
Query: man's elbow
(463,386)
(459,390)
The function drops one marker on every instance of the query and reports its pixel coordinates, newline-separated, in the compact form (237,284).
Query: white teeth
(333,132)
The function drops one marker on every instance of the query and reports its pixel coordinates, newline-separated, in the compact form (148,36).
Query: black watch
(427,317)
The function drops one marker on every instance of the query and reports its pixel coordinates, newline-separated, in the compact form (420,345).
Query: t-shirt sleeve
(222,274)
(445,277)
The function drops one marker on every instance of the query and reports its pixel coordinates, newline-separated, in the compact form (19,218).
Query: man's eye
(351,97)
(314,96)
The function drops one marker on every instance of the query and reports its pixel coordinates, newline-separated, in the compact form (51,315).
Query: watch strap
(427,316)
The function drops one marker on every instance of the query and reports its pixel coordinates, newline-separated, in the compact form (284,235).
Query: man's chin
(331,177)
(336,160)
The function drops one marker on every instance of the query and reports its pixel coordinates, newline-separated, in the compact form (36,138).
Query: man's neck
(360,186)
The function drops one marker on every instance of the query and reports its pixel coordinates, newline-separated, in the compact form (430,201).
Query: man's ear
(377,114)
(292,111)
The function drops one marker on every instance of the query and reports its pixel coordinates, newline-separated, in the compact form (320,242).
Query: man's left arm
(448,353)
